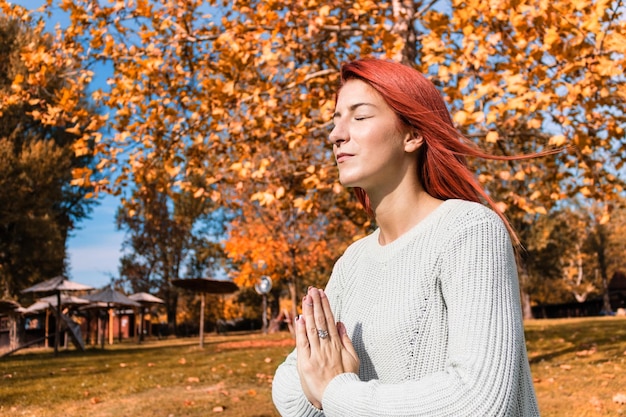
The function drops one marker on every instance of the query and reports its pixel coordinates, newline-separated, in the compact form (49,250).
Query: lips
(341,157)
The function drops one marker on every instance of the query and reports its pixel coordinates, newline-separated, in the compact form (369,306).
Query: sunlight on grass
(161,378)
(578,365)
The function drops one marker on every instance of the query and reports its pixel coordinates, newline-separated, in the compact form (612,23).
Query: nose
(338,134)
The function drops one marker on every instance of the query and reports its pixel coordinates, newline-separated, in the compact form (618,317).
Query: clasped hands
(324,347)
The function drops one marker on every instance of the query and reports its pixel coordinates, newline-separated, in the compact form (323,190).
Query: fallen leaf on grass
(218,409)
(150,364)
(123,365)
(252,392)
(586,352)
(182,361)
(565,367)
(268,360)
(595,403)
(619,398)
(188,403)
(95,400)
(193,379)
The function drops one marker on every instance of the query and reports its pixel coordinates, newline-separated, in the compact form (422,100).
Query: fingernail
(322,293)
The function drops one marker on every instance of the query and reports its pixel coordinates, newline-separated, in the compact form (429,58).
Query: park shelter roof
(145,298)
(58,283)
(112,298)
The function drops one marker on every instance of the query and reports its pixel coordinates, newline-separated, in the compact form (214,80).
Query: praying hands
(324,348)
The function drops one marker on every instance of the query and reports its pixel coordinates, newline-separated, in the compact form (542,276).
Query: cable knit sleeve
(484,366)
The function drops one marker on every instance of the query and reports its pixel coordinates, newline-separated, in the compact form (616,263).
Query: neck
(398,212)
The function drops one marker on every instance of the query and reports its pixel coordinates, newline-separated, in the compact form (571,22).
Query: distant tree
(167,236)
(557,262)
(607,244)
(39,206)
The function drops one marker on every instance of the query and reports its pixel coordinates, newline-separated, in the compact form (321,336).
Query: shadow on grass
(127,347)
(606,335)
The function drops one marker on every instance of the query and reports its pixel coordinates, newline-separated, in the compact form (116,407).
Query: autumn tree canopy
(240,94)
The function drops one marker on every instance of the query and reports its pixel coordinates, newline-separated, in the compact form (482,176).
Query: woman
(422,317)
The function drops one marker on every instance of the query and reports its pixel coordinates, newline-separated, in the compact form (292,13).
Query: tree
(606,245)
(240,94)
(38,205)
(162,236)
(557,258)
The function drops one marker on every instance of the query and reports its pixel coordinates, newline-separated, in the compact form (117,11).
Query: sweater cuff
(334,399)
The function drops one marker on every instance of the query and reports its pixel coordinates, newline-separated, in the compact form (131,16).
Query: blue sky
(95,247)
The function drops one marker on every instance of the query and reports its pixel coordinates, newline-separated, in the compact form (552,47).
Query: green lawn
(579,366)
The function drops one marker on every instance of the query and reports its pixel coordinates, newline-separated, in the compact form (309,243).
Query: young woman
(422,317)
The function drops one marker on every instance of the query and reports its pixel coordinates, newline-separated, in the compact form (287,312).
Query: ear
(413,141)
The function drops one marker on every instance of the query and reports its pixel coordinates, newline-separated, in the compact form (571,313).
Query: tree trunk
(293,285)
(403,13)
(601,249)
(527,312)
(294,299)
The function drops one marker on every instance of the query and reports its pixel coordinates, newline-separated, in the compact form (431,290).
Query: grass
(160,378)
(579,366)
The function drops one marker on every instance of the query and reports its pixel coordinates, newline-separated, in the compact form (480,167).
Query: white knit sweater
(435,319)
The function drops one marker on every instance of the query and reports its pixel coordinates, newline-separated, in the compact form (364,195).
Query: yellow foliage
(246,96)
(492,136)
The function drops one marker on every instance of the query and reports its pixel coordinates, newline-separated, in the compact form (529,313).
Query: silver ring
(323,334)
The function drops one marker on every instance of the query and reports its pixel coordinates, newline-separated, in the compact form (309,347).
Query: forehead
(356,91)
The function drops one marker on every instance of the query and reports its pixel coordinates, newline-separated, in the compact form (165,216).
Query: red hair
(442,167)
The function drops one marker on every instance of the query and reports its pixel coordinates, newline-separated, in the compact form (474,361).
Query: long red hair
(442,168)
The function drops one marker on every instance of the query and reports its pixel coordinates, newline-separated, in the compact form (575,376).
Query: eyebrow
(353,107)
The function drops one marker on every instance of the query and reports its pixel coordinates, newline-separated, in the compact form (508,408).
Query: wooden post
(202,320)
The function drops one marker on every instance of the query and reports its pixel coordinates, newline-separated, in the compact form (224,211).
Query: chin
(347,183)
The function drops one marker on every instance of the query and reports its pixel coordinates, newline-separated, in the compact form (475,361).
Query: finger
(308,308)
(319,314)
(302,340)
(329,316)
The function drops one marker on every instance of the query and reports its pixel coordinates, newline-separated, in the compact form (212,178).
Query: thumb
(349,357)
(345,339)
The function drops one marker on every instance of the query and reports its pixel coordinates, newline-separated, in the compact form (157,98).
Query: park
(578,367)
(209,134)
